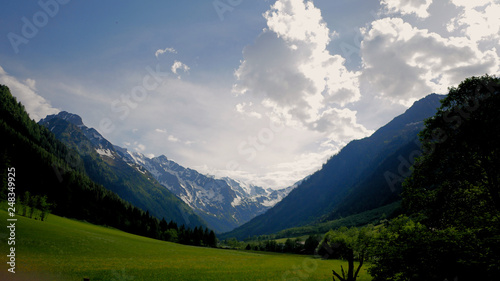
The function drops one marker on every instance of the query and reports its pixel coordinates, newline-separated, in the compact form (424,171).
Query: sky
(260,91)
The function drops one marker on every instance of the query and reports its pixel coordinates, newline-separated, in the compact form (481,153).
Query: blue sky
(262,91)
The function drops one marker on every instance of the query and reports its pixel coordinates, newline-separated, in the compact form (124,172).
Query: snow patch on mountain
(224,202)
(105,152)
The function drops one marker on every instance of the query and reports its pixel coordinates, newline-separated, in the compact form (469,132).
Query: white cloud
(407,7)
(179,65)
(163,131)
(172,138)
(26,93)
(403,63)
(478,20)
(344,127)
(290,68)
(139,147)
(471,4)
(241,108)
(163,51)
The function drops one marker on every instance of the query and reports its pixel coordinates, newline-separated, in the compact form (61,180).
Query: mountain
(223,203)
(42,168)
(364,175)
(105,166)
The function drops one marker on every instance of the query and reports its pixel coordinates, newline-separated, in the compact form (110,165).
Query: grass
(283,240)
(64,249)
(368,217)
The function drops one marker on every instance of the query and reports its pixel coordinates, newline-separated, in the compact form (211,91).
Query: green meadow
(64,249)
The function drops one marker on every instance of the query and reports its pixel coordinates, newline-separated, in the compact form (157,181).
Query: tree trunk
(361,259)
(351,276)
(350,270)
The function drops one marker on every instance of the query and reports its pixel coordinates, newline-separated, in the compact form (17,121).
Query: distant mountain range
(223,203)
(104,166)
(364,175)
(150,182)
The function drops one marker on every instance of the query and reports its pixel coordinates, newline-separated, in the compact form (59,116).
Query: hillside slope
(223,203)
(104,166)
(37,165)
(351,181)
(61,249)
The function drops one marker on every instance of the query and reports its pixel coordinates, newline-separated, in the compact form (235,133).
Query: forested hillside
(354,180)
(103,165)
(44,166)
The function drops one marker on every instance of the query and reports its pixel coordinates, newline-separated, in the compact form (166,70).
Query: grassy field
(63,249)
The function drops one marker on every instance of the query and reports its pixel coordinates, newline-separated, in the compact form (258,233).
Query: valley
(62,250)
(368,212)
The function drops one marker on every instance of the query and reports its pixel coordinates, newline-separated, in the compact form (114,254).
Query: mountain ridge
(102,165)
(224,203)
(319,197)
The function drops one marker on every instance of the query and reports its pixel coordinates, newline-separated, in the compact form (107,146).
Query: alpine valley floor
(64,249)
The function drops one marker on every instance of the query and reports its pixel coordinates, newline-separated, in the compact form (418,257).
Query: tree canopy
(349,244)
(452,198)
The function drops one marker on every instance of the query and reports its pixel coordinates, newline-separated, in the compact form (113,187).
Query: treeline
(292,246)
(43,169)
(36,206)
(198,236)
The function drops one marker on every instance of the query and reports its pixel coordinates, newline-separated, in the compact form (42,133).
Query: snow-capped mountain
(223,203)
(99,160)
(101,145)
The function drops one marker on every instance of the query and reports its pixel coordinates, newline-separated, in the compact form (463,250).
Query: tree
(452,195)
(212,239)
(32,203)
(457,180)
(409,250)
(170,235)
(349,244)
(25,201)
(44,207)
(311,244)
(289,246)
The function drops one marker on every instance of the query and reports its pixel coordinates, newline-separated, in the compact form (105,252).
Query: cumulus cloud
(471,4)
(163,51)
(290,68)
(403,63)
(172,138)
(407,7)
(240,107)
(139,147)
(26,93)
(478,20)
(179,65)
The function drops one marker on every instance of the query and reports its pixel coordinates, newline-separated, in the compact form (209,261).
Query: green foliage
(456,181)
(374,216)
(35,206)
(452,196)
(349,244)
(410,250)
